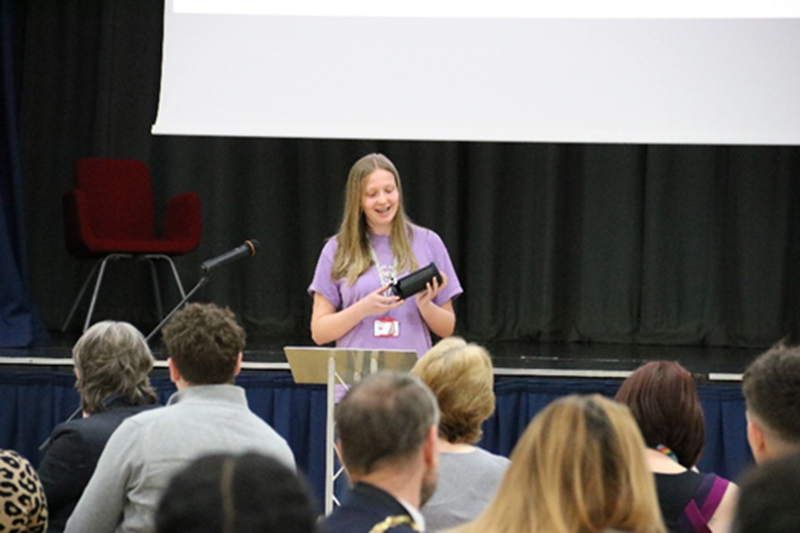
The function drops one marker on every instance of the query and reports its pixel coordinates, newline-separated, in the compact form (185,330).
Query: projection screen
(491,71)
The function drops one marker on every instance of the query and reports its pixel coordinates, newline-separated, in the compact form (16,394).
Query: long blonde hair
(578,468)
(352,257)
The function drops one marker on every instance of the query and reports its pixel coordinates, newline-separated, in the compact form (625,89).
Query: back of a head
(225,493)
(662,397)
(579,466)
(460,376)
(384,419)
(768,498)
(204,342)
(23,506)
(771,388)
(112,360)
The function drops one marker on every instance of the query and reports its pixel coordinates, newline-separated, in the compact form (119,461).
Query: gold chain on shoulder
(394,521)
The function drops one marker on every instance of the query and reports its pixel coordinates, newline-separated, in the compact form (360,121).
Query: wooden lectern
(344,366)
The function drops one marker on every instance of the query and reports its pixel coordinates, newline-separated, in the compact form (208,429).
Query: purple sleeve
(322,282)
(438,254)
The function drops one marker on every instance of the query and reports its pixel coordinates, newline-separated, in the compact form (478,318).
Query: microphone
(248,249)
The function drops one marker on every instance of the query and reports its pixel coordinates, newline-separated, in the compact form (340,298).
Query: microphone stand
(203,280)
(43,446)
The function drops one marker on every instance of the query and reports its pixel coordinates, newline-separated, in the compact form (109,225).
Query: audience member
(768,498)
(23,507)
(227,493)
(579,467)
(387,426)
(663,399)
(208,414)
(771,387)
(112,361)
(460,376)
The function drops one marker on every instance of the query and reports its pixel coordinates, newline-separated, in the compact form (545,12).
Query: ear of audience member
(771,388)
(663,399)
(387,440)
(768,498)
(461,377)
(23,506)
(208,414)
(226,493)
(578,467)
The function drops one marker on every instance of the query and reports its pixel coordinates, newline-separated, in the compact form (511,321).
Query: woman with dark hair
(112,362)
(663,399)
(226,493)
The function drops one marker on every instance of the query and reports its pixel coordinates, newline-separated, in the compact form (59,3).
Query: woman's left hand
(432,288)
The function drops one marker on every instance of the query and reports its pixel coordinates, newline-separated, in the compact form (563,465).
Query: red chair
(109,215)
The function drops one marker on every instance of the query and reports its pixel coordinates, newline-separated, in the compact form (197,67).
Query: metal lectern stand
(344,366)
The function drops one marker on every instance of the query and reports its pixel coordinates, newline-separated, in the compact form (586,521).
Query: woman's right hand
(376,303)
(329,324)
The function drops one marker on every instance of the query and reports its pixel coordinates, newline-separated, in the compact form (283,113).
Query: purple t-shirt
(413,332)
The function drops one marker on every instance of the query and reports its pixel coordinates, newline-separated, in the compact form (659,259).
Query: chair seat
(110,215)
(99,246)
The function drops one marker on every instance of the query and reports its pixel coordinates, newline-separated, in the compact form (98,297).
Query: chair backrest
(120,197)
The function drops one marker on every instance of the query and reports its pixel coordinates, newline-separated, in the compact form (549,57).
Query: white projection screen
(489,71)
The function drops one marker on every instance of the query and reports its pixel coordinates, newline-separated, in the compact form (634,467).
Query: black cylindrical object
(415,282)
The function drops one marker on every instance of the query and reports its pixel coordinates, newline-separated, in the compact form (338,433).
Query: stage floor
(510,357)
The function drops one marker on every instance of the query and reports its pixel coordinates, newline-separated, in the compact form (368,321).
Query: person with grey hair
(208,414)
(771,388)
(112,362)
(387,428)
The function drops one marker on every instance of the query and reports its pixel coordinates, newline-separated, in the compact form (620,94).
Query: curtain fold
(590,243)
(20,324)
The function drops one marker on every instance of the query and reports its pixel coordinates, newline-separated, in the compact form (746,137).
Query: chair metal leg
(169,260)
(101,266)
(97,285)
(80,296)
(156,288)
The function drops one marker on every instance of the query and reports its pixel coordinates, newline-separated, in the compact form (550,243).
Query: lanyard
(386,275)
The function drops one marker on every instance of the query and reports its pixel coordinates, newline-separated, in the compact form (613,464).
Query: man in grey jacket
(208,414)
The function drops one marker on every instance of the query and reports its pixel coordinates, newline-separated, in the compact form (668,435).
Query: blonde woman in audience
(460,376)
(579,467)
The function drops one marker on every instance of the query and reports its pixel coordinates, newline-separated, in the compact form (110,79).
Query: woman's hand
(375,303)
(328,324)
(432,288)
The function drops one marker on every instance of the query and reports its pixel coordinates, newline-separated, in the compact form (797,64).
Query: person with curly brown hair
(208,414)
(771,388)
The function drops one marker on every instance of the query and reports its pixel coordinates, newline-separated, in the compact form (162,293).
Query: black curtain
(690,245)
(20,324)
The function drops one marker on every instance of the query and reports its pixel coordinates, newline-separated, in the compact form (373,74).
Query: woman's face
(380,200)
